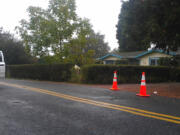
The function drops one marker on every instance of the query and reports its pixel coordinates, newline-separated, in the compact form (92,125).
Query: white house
(143,58)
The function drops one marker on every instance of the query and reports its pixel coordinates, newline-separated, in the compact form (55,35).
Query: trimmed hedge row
(55,72)
(94,74)
(103,74)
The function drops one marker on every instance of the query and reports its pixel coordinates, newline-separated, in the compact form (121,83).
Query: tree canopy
(142,22)
(87,46)
(13,50)
(58,30)
(49,28)
(96,42)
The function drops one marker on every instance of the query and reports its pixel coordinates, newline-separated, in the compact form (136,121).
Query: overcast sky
(103,15)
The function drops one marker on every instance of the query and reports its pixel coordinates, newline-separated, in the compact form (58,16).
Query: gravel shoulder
(160,89)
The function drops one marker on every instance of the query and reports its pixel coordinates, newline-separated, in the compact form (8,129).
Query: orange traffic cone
(114,86)
(143,87)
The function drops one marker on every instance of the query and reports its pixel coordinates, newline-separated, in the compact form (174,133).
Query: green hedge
(103,74)
(94,74)
(55,72)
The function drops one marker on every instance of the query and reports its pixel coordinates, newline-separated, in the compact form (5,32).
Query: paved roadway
(46,108)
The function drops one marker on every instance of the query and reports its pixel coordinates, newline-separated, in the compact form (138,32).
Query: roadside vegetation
(13,49)
(93,74)
(55,39)
(58,35)
(142,22)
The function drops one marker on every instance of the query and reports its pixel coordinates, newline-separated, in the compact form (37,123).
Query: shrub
(55,72)
(174,61)
(75,76)
(103,74)
(94,74)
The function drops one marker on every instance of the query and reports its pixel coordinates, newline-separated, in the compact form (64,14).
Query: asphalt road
(47,108)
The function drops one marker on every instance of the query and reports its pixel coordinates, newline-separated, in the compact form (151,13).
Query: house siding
(144,61)
(112,58)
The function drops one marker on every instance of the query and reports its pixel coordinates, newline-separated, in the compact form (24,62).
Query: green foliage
(94,74)
(59,31)
(49,28)
(13,50)
(131,30)
(175,74)
(75,51)
(174,61)
(49,60)
(55,72)
(76,55)
(103,74)
(75,76)
(142,22)
(95,41)
(163,23)
(115,51)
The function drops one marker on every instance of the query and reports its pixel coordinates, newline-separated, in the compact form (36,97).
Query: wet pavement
(28,112)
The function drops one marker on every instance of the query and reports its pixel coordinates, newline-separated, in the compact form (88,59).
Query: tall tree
(95,41)
(75,51)
(49,28)
(86,46)
(115,51)
(163,23)
(130,28)
(59,31)
(142,22)
(13,50)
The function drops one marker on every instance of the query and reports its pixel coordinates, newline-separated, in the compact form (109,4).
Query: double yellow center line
(159,116)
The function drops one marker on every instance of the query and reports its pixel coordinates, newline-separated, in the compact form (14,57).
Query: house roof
(136,54)
(151,51)
(130,54)
(109,55)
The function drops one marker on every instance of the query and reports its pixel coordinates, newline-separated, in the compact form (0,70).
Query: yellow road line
(131,110)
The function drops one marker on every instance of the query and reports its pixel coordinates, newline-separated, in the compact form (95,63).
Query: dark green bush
(173,61)
(175,74)
(103,74)
(54,72)
(94,74)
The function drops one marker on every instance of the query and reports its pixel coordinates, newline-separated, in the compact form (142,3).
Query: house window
(153,61)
